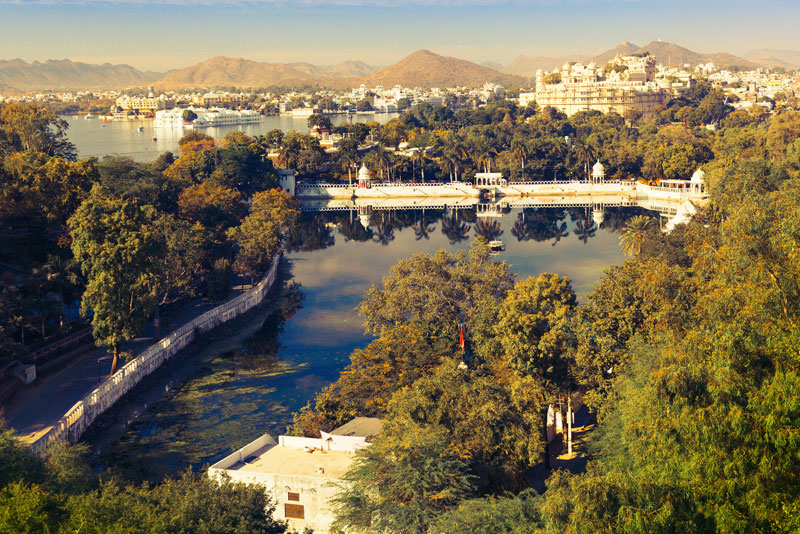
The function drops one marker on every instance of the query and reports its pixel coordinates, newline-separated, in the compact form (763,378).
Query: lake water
(123,138)
(241,392)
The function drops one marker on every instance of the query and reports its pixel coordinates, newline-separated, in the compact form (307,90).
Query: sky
(167,34)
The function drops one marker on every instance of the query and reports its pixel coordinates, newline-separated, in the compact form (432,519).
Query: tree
(189,115)
(533,327)
(365,104)
(552,78)
(400,484)
(634,234)
(272,212)
(439,289)
(31,127)
(118,248)
(320,121)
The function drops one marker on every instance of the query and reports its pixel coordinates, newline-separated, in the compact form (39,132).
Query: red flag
(460,337)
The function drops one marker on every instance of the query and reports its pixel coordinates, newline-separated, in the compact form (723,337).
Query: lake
(122,138)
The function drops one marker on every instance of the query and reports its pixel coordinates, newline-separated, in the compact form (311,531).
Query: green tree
(272,213)
(118,248)
(634,234)
(400,484)
(319,121)
(533,327)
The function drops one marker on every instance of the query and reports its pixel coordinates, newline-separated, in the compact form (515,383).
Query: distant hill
(222,71)
(66,74)
(676,56)
(789,59)
(527,65)
(426,69)
(623,49)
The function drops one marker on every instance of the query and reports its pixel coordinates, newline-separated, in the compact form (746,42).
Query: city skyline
(163,37)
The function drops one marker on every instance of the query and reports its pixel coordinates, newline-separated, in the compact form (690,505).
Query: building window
(294,511)
(294,496)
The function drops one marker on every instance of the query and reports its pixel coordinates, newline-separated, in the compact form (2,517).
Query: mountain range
(420,69)
(666,53)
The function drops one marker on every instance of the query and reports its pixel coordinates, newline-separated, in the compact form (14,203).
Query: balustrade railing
(85,411)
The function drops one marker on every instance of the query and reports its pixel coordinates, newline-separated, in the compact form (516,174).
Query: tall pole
(569,425)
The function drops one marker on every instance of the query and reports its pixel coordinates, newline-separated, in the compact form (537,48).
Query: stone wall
(70,427)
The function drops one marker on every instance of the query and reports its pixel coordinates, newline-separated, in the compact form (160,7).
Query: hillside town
(635,84)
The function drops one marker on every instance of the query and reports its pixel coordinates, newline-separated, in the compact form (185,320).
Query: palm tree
(559,231)
(520,149)
(634,233)
(585,229)
(585,154)
(522,228)
(490,230)
(455,230)
(385,232)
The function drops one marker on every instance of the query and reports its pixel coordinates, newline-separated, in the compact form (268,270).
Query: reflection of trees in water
(585,228)
(531,224)
(261,350)
(616,217)
(454,228)
(491,230)
(311,233)
(540,225)
(423,228)
(385,231)
(352,230)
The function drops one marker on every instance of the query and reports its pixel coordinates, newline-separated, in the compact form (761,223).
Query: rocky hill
(426,69)
(623,49)
(676,56)
(66,74)
(238,72)
(527,65)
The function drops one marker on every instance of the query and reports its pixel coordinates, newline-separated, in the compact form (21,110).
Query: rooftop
(275,459)
(366,427)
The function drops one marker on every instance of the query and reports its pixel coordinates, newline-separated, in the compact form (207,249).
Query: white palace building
(626,83)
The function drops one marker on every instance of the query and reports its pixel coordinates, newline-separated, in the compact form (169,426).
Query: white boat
(206,118)
(74,117)
(496,247)
(88,116)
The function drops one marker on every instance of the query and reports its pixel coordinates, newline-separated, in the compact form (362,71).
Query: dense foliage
(124,238)
(62,494)
(686,353)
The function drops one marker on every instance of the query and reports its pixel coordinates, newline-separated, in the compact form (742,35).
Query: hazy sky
(176,33)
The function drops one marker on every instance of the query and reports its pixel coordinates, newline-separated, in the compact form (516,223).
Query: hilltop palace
(626,83)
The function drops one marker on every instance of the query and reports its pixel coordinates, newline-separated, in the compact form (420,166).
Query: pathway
(36,408)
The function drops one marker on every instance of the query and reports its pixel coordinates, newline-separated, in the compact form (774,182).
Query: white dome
(566,66)
(699,177)
(598,167)
(364,220)
(598,216)
(539,72)
(363,173)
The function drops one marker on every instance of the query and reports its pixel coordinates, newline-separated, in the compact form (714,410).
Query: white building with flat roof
(300,473)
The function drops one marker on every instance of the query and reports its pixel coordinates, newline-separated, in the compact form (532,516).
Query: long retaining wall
(70,427)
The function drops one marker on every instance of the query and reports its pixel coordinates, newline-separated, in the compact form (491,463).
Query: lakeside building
(206,118)
(629,84)
(141,105)
(216,99)
(300,473)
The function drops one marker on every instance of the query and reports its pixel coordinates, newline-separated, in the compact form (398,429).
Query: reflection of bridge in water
(675,211)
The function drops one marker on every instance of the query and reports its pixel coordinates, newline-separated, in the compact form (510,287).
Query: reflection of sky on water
(235,398)
(123,138)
